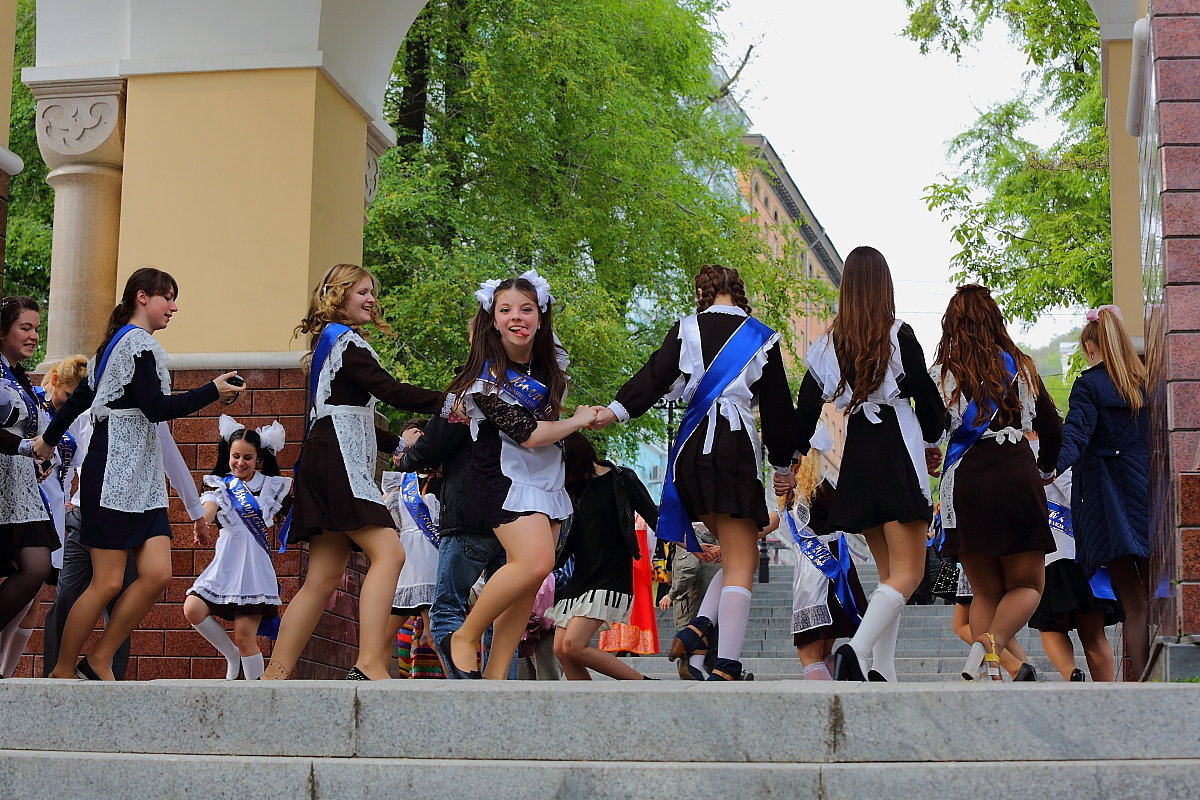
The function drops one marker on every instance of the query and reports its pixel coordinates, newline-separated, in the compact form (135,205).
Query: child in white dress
(245,494)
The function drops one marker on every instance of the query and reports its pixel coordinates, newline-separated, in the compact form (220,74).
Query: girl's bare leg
(386,555)
(1128,583)
(1059,650)
(1096,648)
(577,656)
(108,575)
(327,556)
(153,559)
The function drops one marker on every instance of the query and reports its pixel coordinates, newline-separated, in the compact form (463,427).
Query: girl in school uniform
(722,362)
(511,390)
(123,494)
(337,507)
(245,494)
(871,367)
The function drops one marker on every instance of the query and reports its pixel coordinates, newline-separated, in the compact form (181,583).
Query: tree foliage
(581,138)
(1033,223)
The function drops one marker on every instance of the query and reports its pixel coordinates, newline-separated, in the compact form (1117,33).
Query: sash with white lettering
(410,495)
(1060,521)
(102,363)
(836,569)
(31,403)
(674,524)
(971,430)
(246,506)
(321,352)
(532,394)
(67,446)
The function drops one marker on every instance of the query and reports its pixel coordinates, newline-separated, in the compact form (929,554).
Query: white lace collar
(732,310)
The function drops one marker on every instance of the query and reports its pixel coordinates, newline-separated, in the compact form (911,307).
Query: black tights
(33,566)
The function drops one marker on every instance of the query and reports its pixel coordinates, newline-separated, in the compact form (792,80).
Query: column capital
(80,122)
(379,138)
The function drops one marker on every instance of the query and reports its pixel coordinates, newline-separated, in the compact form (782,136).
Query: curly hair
(714,279)
(487,348)
(973,333)
(328,303)
(70,372)
(861,330)
(1127,372)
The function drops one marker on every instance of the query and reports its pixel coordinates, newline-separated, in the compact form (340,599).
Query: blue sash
(30,401)
(246,506)
(837,570)
(410,495)
(532,394)
(939,536)
(1099,582)
(970,431)
(102,363)
(321,352)
(674,524)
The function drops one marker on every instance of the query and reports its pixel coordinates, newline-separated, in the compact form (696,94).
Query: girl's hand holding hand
(584,416)
(933,460)
(227,391)
(604,418)
(44,451)
(201,533)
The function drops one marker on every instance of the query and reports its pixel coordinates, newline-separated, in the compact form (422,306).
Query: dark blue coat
(1108,448)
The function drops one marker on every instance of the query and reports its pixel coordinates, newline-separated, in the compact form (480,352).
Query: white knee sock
(817,672)
(883,653)
(735,613)
(709,608)
(882,611)
(253,666)
(14,647)
(215,633)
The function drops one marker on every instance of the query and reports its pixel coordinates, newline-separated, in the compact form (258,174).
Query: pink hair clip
(1093,314)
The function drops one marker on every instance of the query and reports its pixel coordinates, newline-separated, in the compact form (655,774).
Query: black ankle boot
(726,669)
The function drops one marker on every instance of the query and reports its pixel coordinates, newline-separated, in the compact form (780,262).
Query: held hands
(783,483)
(604,418)
(201,533)
(43,451)
(933,460)
(709,553)
(1048,477)
(228,391)
(584,416)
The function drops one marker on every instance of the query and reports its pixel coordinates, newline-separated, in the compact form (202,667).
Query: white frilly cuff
(619,410)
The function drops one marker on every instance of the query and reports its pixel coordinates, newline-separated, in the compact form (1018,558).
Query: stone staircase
(927,650)
(527,739)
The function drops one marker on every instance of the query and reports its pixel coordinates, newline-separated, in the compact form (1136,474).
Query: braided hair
(714,279)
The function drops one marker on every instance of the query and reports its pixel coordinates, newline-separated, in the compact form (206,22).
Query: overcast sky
(861,120)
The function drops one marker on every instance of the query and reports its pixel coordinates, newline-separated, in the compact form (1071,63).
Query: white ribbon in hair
(487,291)
(272,436)
(227,426)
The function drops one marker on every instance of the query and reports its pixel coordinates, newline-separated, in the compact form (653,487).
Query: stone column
(80,131)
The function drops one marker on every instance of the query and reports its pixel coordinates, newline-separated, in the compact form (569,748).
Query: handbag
(945,583)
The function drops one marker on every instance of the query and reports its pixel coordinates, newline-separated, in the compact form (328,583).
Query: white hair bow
(227,426)
(272,436)
(486,293)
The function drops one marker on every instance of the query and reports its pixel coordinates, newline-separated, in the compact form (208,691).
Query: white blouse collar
(734,310)
(256,482)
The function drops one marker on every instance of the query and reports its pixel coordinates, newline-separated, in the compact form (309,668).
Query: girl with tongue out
(511,389)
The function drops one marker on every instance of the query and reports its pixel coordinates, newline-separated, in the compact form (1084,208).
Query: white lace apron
(354,426)
(810,587)
(20,500)
(133,478)
(946,383)
(823,364)
(736,400)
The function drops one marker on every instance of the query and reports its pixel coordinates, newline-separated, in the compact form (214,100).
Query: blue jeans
(461,560)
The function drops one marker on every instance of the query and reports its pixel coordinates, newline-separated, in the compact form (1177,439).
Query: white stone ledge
(285,359)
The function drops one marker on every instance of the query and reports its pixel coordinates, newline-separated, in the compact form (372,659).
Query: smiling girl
(512,387)
(123,493)
(337,504)
(26,533)
(245,493)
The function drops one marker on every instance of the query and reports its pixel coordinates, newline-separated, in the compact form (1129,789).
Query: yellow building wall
(232,183)
(1124,189)
(8,35)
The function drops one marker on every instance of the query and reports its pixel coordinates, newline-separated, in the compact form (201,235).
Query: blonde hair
(808,477)
(70,372)
(1127,372)
(328,301)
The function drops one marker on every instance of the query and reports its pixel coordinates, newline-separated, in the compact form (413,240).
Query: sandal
(691,640)
(991,659)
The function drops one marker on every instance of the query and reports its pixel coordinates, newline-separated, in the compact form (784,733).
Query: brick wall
(165,646)
(1171,201)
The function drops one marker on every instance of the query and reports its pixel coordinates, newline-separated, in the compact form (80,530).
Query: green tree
(582,138)
(1032,223)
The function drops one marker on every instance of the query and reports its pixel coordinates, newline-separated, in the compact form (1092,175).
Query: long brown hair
(328,304)
(861,331)
(154,282)
(1127,372)
(487,348)
(973,333)
(714,279)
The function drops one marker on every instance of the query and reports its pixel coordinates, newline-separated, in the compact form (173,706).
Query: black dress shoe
(1026,672)
(875,677)
(356,674)
(1077,676)
(84,671)
(443,647)
(846,666)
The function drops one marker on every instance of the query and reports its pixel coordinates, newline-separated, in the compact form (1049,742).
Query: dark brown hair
(487,348)
(267,463)
(579,458)
(154,282)
(11,308)
(712,280)
(861,331)
(973,335)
